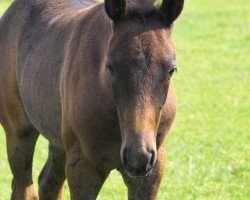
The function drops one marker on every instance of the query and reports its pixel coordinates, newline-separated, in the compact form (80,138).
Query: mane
(143,9)
(87,3)
(140,5)
(60,4)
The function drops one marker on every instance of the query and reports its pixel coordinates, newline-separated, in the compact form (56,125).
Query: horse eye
(110,68)
(172,71)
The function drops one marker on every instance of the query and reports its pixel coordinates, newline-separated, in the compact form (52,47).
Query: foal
(95,80)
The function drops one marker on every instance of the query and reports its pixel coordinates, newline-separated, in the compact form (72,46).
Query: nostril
(152,161)
(126,162)
(124,157)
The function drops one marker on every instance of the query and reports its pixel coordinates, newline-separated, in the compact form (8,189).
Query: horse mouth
(141,174)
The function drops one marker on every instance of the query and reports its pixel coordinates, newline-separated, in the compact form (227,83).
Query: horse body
(54,80)
(42,52)
(85,55)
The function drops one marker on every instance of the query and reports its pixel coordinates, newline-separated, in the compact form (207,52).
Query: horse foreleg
(52,177)
(84,178)
(20,148)
(146,188)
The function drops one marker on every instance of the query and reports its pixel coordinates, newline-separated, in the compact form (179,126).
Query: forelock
(142,9)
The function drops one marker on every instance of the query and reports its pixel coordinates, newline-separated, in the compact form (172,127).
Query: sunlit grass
(208,148)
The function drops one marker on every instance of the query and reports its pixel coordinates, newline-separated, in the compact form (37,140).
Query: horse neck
(89,43)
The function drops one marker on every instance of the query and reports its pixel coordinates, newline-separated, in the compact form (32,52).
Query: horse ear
(171,9)
(116,9)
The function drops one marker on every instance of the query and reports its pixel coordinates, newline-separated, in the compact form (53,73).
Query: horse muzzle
(138,161)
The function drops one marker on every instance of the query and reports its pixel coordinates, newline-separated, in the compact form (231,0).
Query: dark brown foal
(95,80)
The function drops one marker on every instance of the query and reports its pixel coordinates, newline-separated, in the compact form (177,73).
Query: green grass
(209,145)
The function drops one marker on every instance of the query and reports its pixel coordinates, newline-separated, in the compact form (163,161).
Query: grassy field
(209,145)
